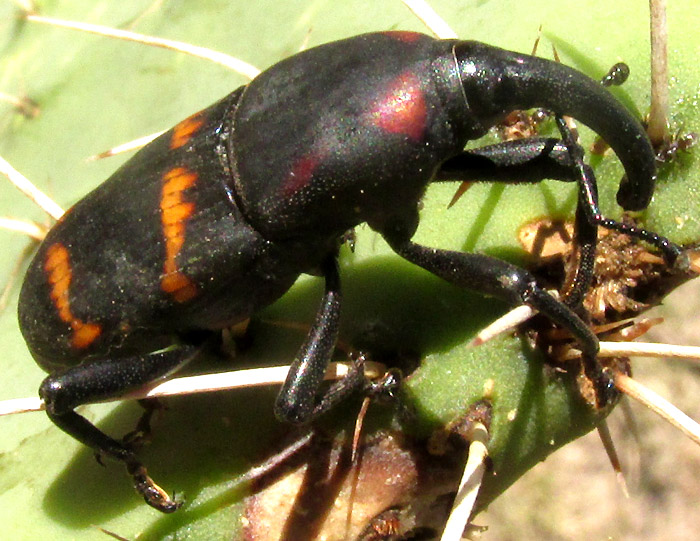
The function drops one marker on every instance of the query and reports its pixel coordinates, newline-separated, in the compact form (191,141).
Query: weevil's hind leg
(300,401)
(514,285)
(143,431)
(108,378)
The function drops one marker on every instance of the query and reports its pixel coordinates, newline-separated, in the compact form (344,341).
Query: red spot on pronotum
(404,35)
(300,175)
(60,274)
(402,110)
(175,212)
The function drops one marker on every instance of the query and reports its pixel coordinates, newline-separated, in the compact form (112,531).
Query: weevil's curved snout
(497,82)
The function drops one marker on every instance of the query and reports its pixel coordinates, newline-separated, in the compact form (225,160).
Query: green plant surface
(94,93)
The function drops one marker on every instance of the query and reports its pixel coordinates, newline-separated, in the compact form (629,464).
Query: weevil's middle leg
(300,400)
(514,285)
(588,199)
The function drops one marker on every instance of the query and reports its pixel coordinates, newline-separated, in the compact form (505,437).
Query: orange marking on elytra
(184,131)
(175,212)
(57,266)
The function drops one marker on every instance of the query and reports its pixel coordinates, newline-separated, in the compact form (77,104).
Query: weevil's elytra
(215,219)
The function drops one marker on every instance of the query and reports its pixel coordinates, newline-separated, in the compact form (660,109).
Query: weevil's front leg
(300,401)
(588,200)
(521,161)
(516,286)
(108,378)
(535,159)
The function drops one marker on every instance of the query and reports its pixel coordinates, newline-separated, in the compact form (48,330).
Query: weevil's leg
(108,378)
(514,285)
(585,241)
(585,238)
(520,161)
(143,432)
(533,160)
(528,161)
(588,199)
(299,400)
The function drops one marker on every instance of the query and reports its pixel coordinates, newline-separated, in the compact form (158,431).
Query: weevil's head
(496,82)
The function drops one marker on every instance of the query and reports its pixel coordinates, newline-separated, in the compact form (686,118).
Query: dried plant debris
(628,278)
(521,124)
(396,490)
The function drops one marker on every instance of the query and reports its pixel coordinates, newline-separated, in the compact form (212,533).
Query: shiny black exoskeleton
(216,218)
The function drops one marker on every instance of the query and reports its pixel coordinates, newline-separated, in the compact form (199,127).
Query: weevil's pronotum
(216,218)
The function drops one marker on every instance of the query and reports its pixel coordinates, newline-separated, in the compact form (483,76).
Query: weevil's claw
(606,392)
(598,385)
(153,495)
(683,263)
(386,389)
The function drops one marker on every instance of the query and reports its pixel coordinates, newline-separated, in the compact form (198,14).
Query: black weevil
(217,218)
